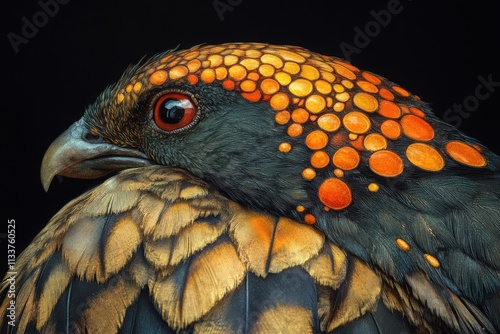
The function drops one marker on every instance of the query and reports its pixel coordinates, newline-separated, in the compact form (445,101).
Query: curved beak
(78,154)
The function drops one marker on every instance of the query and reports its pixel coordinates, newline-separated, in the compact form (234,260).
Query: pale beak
(78,154)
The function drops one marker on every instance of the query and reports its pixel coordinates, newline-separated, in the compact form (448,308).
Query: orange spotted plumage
(306,88)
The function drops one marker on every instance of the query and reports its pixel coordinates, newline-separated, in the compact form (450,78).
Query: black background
(435,49)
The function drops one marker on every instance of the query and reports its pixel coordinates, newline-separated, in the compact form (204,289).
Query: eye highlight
(174,111)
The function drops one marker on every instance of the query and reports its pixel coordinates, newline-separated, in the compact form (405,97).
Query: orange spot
(335,194)
(371,78)
(404,109)
(323,87)
(338,172)
(338,88)
(367,86)
(283,78)
(353,136)
(386,163)
(237,72)
(269,86)
(313,118)
(329,122)
(253,53)
(356,122)
(391,129)
(418,112)
(129,87)
(416,128)
(320,65)
(309,219)
(253,76)
(291,67)
(389,109)
(230,60)
(193,65)
(338,106)
(465,154)
(401,91)
(344,71)
(365,101)
(215,60)
(266,70)
(137,87)
(343,97)
(315,103)
(191,55)
(300,87)
(178,72)
(290,55)
(119,98)
(329,101)
(330,77)
(386,94)
(192,79)
(272,60)
(346,65)
(282,117)
(253,96)
(238,52)
(346,158)
(347,84)
(228,84)
(309,72)
(374,142)
(248,86)
(217,49)
(285,147)
(425,157)
(316,140)
(432,260)
(173,62)
(300,208)
(295,130)
(250,64)
(373,187)
(208,75)
(308,174)
(158,77)
(402,244)
(220,73)
(300,115)
(279,101)
(320,159)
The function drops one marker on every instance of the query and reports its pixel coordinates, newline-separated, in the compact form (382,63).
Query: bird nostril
(93,138)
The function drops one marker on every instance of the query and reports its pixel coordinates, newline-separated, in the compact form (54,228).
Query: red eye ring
(174,111)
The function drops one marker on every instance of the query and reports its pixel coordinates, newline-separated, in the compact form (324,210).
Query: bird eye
(173,111)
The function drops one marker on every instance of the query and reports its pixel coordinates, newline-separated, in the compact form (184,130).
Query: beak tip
(46,178)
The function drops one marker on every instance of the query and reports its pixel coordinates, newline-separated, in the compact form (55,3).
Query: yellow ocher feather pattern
(135,230)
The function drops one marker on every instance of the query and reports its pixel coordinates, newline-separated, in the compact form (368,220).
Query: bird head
(278,128)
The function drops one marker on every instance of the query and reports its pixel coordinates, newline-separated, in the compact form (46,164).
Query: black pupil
(171,111)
